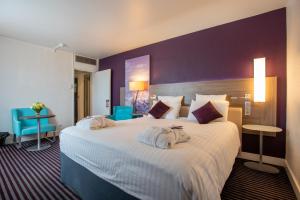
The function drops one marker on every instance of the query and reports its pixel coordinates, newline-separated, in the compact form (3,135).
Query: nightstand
(137,115)
(260,166)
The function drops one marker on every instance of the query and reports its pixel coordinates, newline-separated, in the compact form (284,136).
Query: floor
(247,184)
(35,175)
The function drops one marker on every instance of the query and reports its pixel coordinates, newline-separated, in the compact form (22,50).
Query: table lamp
(137,86)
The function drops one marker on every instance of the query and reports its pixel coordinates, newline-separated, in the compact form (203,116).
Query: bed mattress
(197,169)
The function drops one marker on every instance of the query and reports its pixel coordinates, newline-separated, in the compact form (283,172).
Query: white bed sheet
(197,169)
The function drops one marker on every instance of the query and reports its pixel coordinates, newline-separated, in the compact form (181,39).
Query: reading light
(259,79)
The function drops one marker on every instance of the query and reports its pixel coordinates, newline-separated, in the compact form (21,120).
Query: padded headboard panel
(235,115)
(261,113)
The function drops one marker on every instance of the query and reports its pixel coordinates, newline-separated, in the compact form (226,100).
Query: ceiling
(100,28)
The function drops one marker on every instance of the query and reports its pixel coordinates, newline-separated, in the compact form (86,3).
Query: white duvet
(197,169)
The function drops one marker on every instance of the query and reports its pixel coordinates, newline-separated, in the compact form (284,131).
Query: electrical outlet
(247,108)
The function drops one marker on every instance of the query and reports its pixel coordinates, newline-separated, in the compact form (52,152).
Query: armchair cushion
(28,130)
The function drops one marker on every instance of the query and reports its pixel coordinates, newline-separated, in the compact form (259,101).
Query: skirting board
(266,159)
(293,180)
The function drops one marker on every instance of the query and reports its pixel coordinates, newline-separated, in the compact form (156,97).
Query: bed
(111,164)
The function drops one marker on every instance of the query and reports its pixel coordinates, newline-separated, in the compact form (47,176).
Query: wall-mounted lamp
(137,86)
(259,79)
(259,85)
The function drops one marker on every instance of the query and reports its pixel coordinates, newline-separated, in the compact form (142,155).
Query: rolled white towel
(161,137)
(95,123)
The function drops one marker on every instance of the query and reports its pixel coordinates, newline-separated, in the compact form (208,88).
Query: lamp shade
(138,85)
(259,79)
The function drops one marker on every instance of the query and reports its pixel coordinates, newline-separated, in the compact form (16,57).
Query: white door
(101,92)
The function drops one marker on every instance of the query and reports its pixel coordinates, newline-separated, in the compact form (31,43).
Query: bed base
(87,185)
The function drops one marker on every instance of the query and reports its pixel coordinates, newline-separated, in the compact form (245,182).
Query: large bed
(111,164)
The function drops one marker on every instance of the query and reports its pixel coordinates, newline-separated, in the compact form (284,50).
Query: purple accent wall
(221,52)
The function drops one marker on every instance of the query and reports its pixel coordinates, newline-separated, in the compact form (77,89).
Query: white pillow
(173,112)
(203,97)
(221,106)
(170,98)
(174,102)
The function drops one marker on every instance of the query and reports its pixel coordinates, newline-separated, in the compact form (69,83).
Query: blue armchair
(29,127)
(121,113)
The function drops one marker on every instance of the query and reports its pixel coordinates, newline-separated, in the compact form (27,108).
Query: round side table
(39,146)
(260,166)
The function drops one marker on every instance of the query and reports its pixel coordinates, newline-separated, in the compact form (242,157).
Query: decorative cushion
(159,109)
(221,106)
(206,113)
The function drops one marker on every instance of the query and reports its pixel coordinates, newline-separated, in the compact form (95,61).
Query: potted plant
(38,107)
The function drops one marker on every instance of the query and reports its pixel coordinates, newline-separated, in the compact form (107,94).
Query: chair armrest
(16,123)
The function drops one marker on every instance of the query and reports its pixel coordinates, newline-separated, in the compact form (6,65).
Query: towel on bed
(161,137)
(95,123)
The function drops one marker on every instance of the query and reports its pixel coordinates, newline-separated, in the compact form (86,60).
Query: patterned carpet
(247,184)
(35,175)
(31,175)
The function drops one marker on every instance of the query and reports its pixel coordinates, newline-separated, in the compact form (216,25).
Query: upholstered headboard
(261,113)
(235,115)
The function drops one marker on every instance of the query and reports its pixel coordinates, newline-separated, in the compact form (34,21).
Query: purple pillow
(159,109)
(206,113)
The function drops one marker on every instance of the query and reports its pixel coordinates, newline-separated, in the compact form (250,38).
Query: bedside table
(260,166)
(137,115)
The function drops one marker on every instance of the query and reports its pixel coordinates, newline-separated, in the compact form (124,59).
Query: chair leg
(14,138)
(54,138)
(19,144)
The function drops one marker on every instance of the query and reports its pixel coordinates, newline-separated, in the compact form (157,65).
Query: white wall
(30,73)
(293,87)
